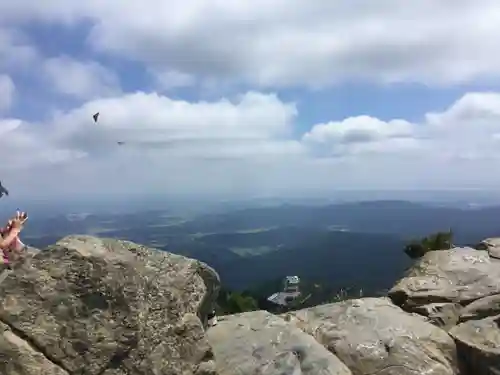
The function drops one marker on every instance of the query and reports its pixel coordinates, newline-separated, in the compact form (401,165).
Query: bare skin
(14,228)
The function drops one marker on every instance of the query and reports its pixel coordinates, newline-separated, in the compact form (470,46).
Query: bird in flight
(3,191)
(95,116)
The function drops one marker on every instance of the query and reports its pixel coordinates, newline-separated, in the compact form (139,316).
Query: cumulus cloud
(360,133)
(168,80)
(246,144)
(249,143)
(467,130)
(281,43)
(79,79)
(15,49)
(7,91)
(177,145)
(175,137)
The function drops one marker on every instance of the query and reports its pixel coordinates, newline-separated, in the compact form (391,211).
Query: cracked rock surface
(104,307)
(261,343)
(372,336)
(90,306)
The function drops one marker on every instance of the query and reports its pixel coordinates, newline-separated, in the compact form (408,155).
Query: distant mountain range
(344,245)
(401,218)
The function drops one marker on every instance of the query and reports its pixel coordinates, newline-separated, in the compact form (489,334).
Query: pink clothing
(16,245)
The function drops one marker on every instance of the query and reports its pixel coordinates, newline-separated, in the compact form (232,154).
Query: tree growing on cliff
(433,242)
(230,302)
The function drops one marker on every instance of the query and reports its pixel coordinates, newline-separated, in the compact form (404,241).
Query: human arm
(14,227)
(9,238)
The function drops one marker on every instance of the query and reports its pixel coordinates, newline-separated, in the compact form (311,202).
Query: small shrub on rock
(433,242)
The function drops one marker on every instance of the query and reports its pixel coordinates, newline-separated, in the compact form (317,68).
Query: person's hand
(17,222)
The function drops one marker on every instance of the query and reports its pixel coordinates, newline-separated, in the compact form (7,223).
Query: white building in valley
(291,291)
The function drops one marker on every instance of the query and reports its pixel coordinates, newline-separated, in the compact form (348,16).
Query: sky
(248,98)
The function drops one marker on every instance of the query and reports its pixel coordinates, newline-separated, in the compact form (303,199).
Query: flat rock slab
(100,306)
(261,343)
(373,336)
(459,275)
(478,344)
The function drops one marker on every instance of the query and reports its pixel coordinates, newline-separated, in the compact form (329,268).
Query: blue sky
(246,98)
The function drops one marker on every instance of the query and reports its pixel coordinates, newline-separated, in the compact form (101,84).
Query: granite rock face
(105,307)
(478,345)
(459,275)
(91,306)
(262,343)
(459,291)
(442,318)
(373,336)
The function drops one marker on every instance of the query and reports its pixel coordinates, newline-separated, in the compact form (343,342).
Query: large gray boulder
(459,286)
(106,307)
(373,336)
(446,281)
(261,343)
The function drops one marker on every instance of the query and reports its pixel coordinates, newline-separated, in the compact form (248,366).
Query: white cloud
(15,50)
(185,141)
(79,79)
(63,74)
(280,43)
(250,144)
(467,130)
(24,147)
(149,119)
(168,80)
(246,146)
(7,91)
(358,134)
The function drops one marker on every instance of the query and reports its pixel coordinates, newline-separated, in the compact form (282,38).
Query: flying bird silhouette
(3,191)
(120,143)
(95,116)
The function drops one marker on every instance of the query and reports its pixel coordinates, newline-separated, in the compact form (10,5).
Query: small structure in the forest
(291,291)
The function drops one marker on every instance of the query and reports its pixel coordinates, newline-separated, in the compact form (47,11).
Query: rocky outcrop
(492,245)
(261,343)
(372,336)
(92,306)
(478,345)
(449,281)
(413,331)
(104,307)
(459,286)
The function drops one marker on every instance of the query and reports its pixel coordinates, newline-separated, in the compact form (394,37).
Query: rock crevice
(20,335)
